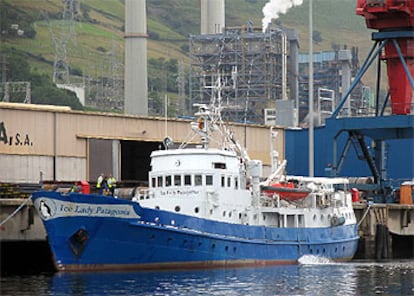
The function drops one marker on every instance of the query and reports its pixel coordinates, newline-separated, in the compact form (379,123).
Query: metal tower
(66,34)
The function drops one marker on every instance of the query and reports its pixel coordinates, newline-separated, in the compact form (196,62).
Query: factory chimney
(212,16)
(136,89)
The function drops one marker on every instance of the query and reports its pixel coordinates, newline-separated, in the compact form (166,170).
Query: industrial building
(333,73)
(253,67)
(53,143)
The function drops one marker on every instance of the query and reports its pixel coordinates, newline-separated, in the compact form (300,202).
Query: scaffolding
(333,70)
(252,66)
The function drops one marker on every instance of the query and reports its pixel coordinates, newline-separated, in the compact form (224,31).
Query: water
(309,278)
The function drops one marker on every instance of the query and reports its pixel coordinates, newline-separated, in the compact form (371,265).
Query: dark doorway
(100,158)
(135,160)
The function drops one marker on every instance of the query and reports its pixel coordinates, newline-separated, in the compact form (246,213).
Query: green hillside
(96,42)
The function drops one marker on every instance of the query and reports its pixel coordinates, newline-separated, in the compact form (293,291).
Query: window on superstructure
(219,165)
(153,182)
(177,180)
(228,181)
(198,180)
(223,181)
(209,180)
(187,180)
(159,181)
(167,181)
(301,221)
(290,221)
(236,183)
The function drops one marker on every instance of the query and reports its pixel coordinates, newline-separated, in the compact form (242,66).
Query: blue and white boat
(205,207)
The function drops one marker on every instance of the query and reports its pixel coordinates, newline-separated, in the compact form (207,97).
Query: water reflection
(356,278)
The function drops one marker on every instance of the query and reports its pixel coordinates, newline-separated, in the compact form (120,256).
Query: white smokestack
(212,16)
(274,8)
(136,80)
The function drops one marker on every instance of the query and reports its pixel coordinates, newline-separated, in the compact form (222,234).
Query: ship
(207,205)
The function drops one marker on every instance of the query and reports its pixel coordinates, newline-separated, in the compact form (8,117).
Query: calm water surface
(355,278)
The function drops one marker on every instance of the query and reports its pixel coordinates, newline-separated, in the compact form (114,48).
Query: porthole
(172,222)
(157,207)
(196,210)
(213,246)
(224,213)
(226,248)
(240,215)
(177,208)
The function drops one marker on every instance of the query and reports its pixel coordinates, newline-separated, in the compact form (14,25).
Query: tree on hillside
(43,91)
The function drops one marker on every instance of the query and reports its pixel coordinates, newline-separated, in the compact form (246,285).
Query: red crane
(394,16)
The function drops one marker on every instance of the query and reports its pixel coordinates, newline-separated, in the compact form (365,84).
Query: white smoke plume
(274,8)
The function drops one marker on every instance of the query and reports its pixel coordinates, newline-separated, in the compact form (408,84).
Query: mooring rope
(16,211)
(370,203)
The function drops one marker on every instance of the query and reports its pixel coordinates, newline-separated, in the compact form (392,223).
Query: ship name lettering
(65,209)
(112,212)
(83,210)
(179,192)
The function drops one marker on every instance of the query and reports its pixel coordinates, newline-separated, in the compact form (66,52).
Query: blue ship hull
(91,234)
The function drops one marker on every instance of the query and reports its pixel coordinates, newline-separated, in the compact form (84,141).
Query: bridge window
(187,180)
(159,183)
(209,180)
(168,181)
(153,182)
(228,181)
(177,180)
(223,181)
(198,180)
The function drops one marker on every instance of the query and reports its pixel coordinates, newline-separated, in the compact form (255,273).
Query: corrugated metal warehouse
(55,143)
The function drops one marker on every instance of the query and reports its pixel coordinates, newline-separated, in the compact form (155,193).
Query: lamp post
(310,88)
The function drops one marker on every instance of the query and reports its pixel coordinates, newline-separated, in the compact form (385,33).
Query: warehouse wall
(56,141)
